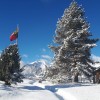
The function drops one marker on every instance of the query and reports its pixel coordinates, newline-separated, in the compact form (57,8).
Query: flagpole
(16,41)
(17,31)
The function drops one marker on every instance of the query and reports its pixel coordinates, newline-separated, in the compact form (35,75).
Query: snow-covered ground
(87,92)
(31,90)
(25,91)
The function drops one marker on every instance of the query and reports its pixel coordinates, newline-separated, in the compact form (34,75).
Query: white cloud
(22,64)
(44,50)
(25,56)
(46,57)
(95,58)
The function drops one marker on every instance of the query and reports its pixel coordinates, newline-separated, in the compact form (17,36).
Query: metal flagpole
(16,41)
(17,33)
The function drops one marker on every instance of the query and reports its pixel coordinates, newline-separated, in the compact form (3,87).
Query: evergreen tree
(73,49)
(10,71)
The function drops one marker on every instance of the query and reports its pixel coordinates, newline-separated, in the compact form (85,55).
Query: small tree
(10,65)
(72,52)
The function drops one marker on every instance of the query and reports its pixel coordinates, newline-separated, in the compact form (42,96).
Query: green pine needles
(10,71)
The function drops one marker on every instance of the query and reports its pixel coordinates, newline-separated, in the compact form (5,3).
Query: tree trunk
(7,82)
(76,77)
(94,79)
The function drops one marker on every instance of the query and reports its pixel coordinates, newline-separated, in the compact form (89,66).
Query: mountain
(35,69)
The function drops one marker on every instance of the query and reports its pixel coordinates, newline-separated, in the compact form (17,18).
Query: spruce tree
(10,65)
(73,45)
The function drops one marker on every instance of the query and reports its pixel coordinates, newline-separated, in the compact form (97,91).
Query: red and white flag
(14,35)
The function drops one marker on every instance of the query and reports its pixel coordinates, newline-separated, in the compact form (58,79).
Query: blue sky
(37,22)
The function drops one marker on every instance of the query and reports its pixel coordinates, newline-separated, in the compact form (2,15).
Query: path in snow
(25,91)
(74,91)
(28,90)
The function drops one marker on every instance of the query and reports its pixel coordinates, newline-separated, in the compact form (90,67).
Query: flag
(14,35)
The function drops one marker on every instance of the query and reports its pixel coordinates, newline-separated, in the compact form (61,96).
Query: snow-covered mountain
(35,69)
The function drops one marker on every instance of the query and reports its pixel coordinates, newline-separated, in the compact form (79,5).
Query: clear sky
(37,22)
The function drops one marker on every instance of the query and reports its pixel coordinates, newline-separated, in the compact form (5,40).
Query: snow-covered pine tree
(10,65)
(73,45)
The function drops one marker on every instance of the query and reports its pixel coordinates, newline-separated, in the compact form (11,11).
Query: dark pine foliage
(10,70)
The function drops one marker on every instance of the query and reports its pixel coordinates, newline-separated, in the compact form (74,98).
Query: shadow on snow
(54,88)
(32,88)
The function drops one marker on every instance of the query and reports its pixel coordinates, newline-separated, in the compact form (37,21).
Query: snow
(73,91)
(32,90)
(25,91)
(95,58)
(80,93)
(97,65)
